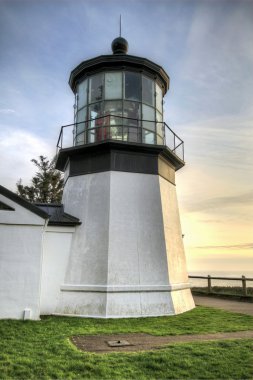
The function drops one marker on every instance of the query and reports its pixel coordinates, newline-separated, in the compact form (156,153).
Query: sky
(206,48)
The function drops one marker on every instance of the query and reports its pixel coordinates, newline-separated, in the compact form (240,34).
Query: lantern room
(124,105)
(120,97)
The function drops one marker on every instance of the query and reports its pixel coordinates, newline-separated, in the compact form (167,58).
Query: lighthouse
(126,257)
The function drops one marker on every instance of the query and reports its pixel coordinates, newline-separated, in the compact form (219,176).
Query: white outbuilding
(34,249)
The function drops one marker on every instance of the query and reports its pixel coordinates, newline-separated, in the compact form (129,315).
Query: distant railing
(236,286)
(112,127)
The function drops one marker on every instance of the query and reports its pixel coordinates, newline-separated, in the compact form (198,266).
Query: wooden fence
(243,290)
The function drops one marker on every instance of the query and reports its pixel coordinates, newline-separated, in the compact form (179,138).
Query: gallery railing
(112,127)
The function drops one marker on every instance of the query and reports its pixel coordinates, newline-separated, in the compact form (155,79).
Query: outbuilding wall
(56,249)
(21,233)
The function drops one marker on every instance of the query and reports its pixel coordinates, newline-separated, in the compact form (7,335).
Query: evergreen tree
(47,184)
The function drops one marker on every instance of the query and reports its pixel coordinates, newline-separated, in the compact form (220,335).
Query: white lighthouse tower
(127,257)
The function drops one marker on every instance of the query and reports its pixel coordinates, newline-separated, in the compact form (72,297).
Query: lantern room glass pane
(96,112)
(96,88)
(159,129)
(96,123)
(113,110)
(132,86)
(132,113)
(148,115)
(113,85)
(92,136)
(113,107)
(116,132)
(159,98)
(159,140)
(132,116)
(80,140)
(148,137)
(82,90)
(159,124)
(148,91)
(81,116)
(113,118)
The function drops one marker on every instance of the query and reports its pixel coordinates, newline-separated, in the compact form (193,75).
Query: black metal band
(107,156)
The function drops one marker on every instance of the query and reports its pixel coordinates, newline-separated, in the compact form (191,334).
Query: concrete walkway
(142,342)
(234,306)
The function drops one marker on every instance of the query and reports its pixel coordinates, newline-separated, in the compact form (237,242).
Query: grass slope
(42,350)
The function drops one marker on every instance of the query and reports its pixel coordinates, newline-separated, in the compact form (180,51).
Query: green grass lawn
(42,350)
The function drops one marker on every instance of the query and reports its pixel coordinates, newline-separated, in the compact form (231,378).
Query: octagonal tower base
(127,257)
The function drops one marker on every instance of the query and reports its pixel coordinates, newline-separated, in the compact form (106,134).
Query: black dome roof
(119,45)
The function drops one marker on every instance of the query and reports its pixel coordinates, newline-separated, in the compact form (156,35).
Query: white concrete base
(124,304)
(127,258)
(127,306)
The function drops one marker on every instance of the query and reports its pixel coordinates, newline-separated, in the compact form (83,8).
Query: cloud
(219,142)
(17,148)
(242,199)
(7,111)
(214,73)
(215,46)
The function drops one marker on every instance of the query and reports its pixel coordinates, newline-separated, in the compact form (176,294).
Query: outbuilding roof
(22,202)
(57,216)
(52,211)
